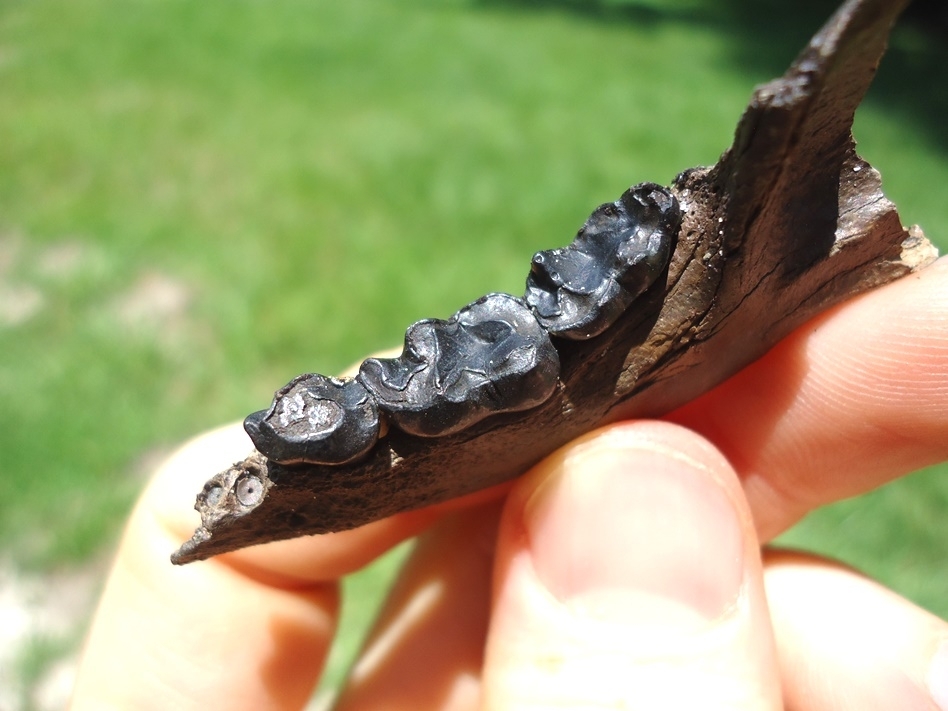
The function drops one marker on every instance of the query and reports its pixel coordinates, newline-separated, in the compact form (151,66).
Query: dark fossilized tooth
(317,420)
(736,287)
(491,356)
(579,291)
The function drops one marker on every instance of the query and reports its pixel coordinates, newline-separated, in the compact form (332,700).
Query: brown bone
(788,223)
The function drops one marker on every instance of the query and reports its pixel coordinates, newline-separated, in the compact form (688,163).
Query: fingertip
(628,566)
(633,512)
(160,628)
(836,629)
(938,676)
(848,401)
(667,439)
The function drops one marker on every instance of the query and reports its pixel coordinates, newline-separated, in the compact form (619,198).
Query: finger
(846,643)
(628,576)
(847,402)
(426,650)
(200,636)
(246,630)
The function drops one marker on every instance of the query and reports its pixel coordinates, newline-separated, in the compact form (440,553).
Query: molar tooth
(580,290)
(491,356)
(317,420)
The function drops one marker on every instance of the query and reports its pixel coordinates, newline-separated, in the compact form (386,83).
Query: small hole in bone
(214,495)
(249,490)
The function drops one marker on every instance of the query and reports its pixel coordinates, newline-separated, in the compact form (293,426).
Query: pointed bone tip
(193,549)
(206,544)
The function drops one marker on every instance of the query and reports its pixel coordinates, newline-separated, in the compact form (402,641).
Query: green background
(199,200)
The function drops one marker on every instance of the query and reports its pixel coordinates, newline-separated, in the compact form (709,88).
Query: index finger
(849,401)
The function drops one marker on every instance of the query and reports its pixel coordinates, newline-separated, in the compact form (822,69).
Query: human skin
(624,571)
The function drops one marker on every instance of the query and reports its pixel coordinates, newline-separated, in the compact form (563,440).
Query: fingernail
(938,677)
(639,532)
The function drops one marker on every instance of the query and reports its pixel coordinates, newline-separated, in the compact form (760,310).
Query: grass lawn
(200,200)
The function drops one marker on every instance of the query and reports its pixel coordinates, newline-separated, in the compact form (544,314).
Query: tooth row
(494,355)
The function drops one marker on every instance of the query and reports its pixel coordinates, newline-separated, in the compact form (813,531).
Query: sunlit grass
(199,200)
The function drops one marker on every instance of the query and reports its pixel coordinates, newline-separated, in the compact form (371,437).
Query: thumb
(629,576)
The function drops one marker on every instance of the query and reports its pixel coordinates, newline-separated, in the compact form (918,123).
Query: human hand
(625,572)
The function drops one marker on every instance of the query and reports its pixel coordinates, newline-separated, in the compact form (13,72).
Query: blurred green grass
(200,200)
